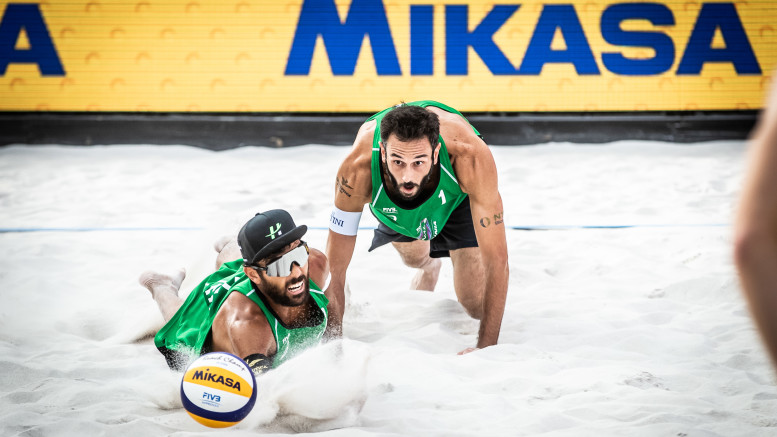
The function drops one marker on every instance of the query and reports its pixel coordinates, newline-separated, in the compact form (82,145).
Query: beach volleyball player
(431,181)
(264,306)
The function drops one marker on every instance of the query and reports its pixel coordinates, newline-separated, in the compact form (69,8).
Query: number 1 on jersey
(442,197)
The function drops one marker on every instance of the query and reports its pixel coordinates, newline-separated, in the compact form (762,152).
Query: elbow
(498,262)
(749,242)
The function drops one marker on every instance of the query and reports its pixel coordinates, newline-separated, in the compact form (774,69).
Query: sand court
(623,317)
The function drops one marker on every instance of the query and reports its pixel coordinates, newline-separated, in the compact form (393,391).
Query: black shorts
(458,233)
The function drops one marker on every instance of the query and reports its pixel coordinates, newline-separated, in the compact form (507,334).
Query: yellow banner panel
(364,55)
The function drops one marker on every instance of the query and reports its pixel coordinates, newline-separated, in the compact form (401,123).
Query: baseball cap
(266,233)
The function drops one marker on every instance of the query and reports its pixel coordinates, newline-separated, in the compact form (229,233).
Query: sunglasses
(282,266)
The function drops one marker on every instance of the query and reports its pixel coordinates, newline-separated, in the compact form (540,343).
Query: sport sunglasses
(282,266)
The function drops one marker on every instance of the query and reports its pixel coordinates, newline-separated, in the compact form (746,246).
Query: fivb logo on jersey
(390,213)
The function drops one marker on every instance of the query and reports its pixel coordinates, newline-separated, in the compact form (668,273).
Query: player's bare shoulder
(236,315)
(354,179)
(470,156)
(362,145)
(239,308)
(460,140)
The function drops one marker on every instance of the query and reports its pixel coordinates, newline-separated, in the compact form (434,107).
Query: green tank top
(427,220)
(188,331)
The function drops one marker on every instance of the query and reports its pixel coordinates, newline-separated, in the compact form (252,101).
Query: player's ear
(382,151)
(437,153)
(252,274)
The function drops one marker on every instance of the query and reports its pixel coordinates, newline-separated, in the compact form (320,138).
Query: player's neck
(298,316)
(292,317)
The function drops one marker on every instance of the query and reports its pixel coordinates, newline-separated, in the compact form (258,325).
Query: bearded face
(410,166)
(290,291)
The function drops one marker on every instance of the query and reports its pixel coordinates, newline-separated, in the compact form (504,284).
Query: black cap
(267,233)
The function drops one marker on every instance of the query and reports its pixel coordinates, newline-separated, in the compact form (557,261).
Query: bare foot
(164,290)
(426,278)
(154,281)
(229,251)
(221,242)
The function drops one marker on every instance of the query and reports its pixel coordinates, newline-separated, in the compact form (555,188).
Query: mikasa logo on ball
(219,379)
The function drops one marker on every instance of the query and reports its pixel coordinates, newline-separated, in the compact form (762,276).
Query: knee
(416,259)
(421,261)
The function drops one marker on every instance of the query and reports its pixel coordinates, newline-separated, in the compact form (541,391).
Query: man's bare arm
(755,250)
(240,328)
(476,170)
(340,248)
(353,186)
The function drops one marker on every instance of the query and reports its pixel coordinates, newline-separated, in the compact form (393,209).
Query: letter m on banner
(41,51)
(343,40)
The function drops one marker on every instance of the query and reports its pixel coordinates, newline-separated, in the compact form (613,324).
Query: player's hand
(468,350)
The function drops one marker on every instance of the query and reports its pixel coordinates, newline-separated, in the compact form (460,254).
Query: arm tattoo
(496,220)
(342,184)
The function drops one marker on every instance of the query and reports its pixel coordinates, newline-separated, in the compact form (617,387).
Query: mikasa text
(219,379)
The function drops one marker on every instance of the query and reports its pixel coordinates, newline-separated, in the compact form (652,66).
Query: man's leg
(164,290)
(469,279)
(416,255)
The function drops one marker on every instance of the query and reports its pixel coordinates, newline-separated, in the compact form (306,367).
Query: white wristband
(344,222)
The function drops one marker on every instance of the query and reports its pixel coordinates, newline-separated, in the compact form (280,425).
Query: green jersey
(189,330)
(427,220)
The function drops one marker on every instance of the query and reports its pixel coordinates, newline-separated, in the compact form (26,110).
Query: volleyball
(218,390)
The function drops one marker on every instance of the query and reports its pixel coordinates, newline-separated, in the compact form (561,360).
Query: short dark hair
(410,122)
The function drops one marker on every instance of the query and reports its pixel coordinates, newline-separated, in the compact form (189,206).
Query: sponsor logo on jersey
(425,231)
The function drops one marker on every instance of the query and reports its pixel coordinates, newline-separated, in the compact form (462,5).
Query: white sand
(638,331)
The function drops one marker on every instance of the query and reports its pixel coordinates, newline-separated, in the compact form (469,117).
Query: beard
(395,186)
(425,188)
(282,297)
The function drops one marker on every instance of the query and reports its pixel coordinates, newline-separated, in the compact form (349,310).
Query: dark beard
(428,186)
(280,296)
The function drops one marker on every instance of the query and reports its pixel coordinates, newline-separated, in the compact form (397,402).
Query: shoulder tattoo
(342,184)
(497,219)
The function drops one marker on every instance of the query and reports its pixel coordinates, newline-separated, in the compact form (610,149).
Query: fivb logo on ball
(218,390)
